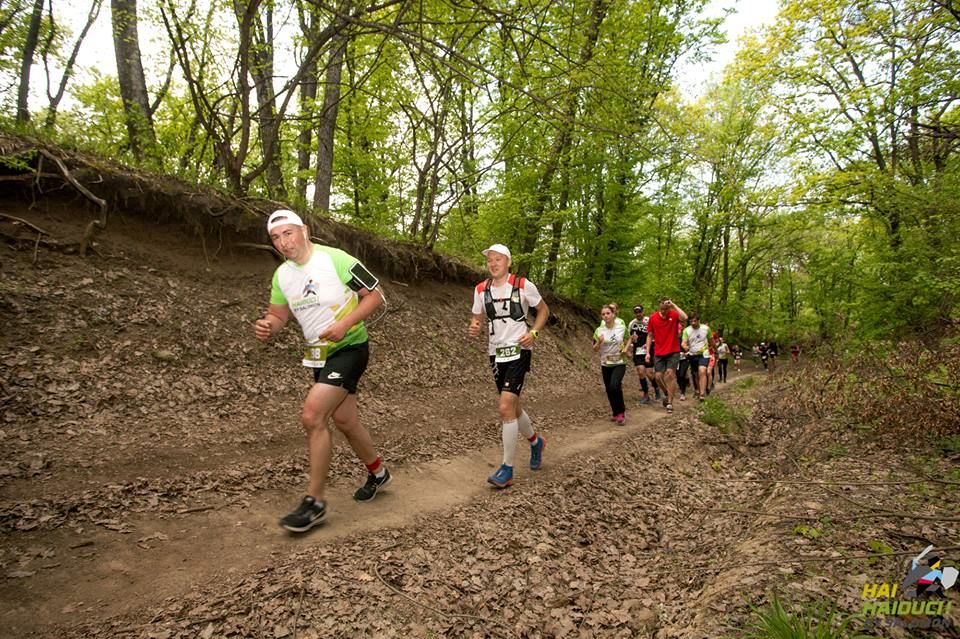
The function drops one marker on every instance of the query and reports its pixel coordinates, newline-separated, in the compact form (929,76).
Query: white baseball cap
(281,217)
(498,248)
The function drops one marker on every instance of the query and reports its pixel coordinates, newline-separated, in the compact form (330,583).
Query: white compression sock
(510,432)
(525,426)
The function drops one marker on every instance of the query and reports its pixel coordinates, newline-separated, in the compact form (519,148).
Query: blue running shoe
(503,477)
(536,453)
(646,399)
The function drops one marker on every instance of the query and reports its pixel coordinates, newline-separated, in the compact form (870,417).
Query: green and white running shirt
(318,294)
(611,343)
(697,339)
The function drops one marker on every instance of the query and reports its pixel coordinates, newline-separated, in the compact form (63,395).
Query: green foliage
(949,446)
(716,412)
(775,621)
(810,532)
(96,121)
(878,546)
(812,193)
(835,451)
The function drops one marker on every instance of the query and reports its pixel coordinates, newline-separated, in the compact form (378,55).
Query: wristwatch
(535,333)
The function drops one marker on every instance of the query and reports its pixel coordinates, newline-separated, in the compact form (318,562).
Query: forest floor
(150,445)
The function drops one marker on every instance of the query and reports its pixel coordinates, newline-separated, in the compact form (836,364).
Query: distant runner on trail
(504,300)
(609,340)
(723,358)
(664,331)
(330,293)
(638,342)
(772,352)
(697,341)
(683,368)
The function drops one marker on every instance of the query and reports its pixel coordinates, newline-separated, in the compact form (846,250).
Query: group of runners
(767,353)
(330,293)
(669,350)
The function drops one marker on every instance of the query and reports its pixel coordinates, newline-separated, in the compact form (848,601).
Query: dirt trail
(113,574)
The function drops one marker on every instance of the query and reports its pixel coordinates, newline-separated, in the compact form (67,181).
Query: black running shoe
(310,513)
(369,490)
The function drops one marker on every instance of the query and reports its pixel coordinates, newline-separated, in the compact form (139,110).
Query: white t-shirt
(611,343)
(697,339)
(318,293)
(722,351)
(506,332)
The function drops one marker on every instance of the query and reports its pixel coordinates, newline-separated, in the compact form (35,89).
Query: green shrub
(812,622)
(718,413)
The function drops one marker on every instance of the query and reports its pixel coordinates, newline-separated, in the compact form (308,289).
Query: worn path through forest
(106,574)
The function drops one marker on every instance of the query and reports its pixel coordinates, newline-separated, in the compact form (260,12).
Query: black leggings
(722,364)
(613,382)
(682,379)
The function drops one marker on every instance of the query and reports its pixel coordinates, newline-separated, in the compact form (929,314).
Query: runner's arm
(683,316)
(273,322)
(475,323)
(543,312)
(369,302)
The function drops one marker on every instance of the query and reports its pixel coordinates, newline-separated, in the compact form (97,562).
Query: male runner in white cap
(330,293)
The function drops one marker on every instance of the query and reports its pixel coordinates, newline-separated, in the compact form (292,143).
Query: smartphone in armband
(362,278)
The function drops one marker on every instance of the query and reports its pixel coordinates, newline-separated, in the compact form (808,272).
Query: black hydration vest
(512,307)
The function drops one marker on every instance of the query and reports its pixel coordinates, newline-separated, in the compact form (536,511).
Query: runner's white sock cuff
(526,427)
(510,432)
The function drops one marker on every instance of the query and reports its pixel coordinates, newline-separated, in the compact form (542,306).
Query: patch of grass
(79,343)
(878,546)
(811,622)
(745,384)
(949,445)
(716,412)
(810,532)
(835,451)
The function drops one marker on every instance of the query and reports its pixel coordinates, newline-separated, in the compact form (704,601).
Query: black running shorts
(344,368)
(509,375)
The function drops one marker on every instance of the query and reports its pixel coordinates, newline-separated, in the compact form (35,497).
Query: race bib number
(641,350)
(613,360)
(315,355)
(509,353)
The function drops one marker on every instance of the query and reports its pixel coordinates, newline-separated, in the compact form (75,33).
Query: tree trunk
(29,48)
(725,283)
(560,144)
(55,99)
(262,71)
(327,128)
(307,99)
(133,84)
(550,277)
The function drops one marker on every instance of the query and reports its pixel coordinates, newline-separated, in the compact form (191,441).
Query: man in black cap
(638,342)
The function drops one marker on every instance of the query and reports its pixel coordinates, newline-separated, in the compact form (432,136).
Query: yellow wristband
(535,333)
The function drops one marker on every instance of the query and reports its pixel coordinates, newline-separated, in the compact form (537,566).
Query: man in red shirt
(663,330)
